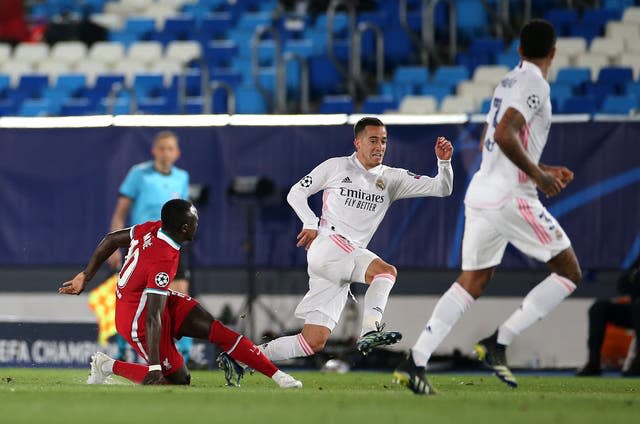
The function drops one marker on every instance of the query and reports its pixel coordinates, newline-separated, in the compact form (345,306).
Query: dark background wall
(58,188)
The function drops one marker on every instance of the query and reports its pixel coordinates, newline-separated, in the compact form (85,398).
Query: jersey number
(489,143)
(130,263)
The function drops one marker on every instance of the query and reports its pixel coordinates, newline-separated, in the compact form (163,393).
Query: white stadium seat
(146,52)
(418,105)
(183,51)
(30,52)
(455,104)
(71,52)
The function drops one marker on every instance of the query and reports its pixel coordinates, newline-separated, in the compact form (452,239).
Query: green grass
(61,396)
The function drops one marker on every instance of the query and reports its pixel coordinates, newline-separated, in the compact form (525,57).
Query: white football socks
(286,347)
(375,300)
(453,303)
(541,300)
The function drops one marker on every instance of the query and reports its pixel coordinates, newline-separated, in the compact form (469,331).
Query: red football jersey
(150,265)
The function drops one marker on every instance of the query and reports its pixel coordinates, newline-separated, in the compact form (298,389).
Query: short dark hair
(164,134)
(175,213)
(537,38)
(364,122)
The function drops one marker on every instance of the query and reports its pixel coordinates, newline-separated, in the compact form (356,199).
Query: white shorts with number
(523,222)
(333,264)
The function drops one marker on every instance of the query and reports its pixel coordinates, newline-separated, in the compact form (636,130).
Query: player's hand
(305,237)
(75,286)
(154,378)
(444,149)
(549,184)
(565,175)
(115,260)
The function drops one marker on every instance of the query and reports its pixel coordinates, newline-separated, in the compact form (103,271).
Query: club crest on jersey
(162,279)
(533,101)
(306,181)
(380,184)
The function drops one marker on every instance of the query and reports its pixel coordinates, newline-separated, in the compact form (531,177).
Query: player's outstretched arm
(105,248)
(443,148)
(507,136)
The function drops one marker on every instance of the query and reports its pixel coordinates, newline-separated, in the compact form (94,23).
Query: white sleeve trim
(157,291)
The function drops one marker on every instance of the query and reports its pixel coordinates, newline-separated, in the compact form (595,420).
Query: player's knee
(392,270)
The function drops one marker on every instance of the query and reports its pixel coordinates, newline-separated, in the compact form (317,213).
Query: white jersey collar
(171,242)
(353,158)
(529,66)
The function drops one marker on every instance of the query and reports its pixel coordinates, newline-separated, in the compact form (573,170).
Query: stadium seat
(476,91)
(456,104)
(620,105)
(32,85)
(139,26)
(439,92)
(579,104)
(337,104)
(106,52)
(473,22)
(508,59)
(70,52)
(626,31)
(180,26)
(148,84)
(631,60)
(592,61)
(249,100)
(559,62)
(413,75)
(183,51)
(5,52)
(574,77)
(562,20)
(418,105)
(489,74)
(450,76)
(609,47)
(145,52)
(631,14)
(220,53)
(70,83)
(30,52)
(571,47)
(616,77)
(378,104)
(53,68)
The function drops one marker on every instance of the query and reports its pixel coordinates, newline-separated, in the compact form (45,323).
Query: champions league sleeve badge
(162,279)
(306,181)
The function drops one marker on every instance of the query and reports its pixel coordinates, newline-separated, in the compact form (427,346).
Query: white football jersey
(355,200)
(498,179)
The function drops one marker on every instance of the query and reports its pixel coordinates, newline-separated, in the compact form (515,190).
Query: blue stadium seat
(508,59)
(378,104)
(139,26)
(586,31)
(34,107)
(579,104)
(450,76)
(598,91)
(249,100)
(337,104)
(486,50)
(5,82)
(560,92)
(575,77)
(413,75)
(213,27)
(615,76)
(220,53)
(304,47)
(70,83)
(251,21)
(486,106)
(395,90)
(562,20)
(436,90)
(323,76)
(180,26)
(473,22)
(148,85)
(32,85)
(619,105)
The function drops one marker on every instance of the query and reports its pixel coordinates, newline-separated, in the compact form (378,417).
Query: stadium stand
(167,38)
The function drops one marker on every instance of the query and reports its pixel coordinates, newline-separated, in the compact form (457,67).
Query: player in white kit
(502,206)
(357,191)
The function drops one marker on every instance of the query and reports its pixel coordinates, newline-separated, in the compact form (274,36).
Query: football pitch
(61,396)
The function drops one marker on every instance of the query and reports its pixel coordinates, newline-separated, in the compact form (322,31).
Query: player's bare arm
(305,237)
(109,244)
(117,222)
(507,136)
(155,305)
(443,148)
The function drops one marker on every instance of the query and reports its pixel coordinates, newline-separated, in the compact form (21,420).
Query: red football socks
(130,371)
(241,348)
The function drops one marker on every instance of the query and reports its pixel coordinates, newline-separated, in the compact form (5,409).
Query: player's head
(165,150)
(370,141)
(537,40)
(180,219)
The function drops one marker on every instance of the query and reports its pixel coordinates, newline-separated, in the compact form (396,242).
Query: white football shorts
(523,222)
(333,263)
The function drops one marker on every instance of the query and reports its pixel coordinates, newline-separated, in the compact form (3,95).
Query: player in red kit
(149,315)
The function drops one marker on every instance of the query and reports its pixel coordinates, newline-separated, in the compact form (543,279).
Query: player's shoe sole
(483,351)
(367,342)
(233,372)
